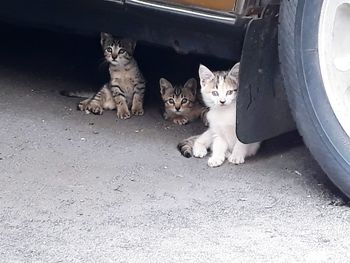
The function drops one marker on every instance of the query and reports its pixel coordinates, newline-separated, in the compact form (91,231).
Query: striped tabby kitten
(126,88)
(219,91)
(180,102)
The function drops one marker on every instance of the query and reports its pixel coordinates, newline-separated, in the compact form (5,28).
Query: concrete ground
(85,188)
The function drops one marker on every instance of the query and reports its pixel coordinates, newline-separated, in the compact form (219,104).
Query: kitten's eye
(109,49)
(215,93)
(229,92)
(235,90)
(184,101)
(122,51)
(171,101)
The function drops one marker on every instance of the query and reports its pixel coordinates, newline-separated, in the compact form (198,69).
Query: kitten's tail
(185,147)
(77,94)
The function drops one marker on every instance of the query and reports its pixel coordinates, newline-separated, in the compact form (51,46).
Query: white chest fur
(222,122)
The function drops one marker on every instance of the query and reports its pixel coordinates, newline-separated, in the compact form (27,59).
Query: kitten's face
(117,51)
(178,99)
(219,88)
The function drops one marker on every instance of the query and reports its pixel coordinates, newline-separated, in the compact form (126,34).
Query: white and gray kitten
(219,91)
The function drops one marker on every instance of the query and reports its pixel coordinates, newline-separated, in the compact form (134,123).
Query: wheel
(314,50)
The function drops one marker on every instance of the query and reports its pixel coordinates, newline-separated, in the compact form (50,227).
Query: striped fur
(126,88)
(181,104)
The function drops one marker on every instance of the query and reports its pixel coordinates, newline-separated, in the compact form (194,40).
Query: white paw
(215,161)
(199,151)
(236,158)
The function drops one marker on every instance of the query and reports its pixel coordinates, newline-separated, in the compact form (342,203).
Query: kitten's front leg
(220,147)
(201,144)
(241,151)
(122,108)
(121,104)
(137,103)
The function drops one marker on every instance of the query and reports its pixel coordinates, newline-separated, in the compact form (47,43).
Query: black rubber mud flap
(262,107)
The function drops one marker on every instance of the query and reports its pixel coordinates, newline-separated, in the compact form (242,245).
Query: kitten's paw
(98,110)
(216,161)
(123,114)
(199,151)
(180,120)
(236,158)
(82,106)
(90,108)
(137,111)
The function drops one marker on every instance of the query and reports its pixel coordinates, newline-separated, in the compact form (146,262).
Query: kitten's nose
(114,56)
(177,108)
(222,101)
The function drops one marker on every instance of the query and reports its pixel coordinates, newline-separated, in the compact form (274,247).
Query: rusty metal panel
(223,5)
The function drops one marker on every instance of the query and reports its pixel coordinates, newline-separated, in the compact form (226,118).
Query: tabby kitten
(126,88)
(219,91)
(180,102)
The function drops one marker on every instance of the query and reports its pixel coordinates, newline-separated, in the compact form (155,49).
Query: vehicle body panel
(186,30)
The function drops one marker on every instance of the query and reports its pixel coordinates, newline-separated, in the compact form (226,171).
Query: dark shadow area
(79,58)
(282,143)
(51,54)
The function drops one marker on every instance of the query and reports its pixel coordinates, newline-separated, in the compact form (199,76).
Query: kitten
(126,88)
(180,102)
(219,91)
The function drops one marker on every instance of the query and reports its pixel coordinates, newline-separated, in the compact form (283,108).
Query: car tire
(323,133)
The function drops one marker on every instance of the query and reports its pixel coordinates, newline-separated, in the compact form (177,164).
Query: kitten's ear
(205,75)
(104,37)
(129,45)
(191,84)
(164,85)
(234,73)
